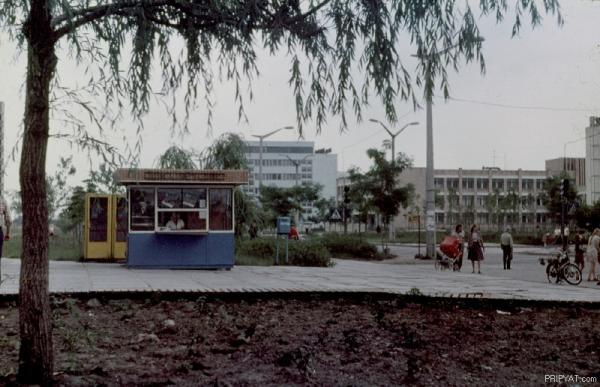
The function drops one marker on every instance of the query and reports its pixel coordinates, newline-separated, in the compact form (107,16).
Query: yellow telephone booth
(106,227)
(97,227)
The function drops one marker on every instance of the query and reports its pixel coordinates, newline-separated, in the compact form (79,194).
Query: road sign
(335,216)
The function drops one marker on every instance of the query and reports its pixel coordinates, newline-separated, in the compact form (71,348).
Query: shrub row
(300,253)
(350,246)
(312,252)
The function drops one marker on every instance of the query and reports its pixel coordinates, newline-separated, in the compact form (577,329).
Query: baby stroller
(449,254)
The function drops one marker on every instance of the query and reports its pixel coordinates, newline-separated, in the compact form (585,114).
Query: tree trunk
(35,318)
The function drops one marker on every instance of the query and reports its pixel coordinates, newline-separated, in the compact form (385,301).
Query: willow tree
(326,40)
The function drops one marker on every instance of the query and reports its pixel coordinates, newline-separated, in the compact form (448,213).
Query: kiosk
(181,218)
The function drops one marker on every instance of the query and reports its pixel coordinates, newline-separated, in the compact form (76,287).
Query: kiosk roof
(131,176)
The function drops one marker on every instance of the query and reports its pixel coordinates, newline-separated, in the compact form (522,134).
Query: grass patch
(61,248)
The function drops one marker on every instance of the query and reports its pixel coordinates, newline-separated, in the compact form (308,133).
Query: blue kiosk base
(158,251)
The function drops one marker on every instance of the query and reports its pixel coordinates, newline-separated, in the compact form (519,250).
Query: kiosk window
(142,209)
(181,221)
(221,216)
(194,198)
(98,219)
(169,198)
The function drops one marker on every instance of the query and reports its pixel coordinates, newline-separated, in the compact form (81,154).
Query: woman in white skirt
(592,254)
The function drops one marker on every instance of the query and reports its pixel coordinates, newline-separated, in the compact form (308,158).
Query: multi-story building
(488,197)
(592,161)
(287,163)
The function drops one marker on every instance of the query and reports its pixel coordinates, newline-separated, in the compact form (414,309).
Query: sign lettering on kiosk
(184,176)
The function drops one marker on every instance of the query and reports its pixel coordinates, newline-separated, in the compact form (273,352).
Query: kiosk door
(97,227)
(120,228)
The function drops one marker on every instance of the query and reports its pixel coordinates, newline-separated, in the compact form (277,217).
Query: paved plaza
(346,276)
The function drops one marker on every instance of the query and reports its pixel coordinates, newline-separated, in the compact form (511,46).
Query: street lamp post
(393,135)
(260,154)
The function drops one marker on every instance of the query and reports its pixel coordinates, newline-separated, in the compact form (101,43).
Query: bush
(261,247)
(308,253)
(300,253)
(350,246)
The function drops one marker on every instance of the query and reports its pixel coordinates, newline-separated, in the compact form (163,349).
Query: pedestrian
(4,223)
(253,230)
(592,254)
(579,241)
(293,234)
(459,234)
(476,248)
(506,244)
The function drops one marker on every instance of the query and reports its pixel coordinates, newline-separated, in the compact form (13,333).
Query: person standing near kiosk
(4,223)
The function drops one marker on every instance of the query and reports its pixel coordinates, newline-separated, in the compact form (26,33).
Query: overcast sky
(556,69)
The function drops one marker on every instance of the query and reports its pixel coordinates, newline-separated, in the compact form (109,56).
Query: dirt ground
(310,340)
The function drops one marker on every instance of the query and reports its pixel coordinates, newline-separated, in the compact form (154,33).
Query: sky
(547,81)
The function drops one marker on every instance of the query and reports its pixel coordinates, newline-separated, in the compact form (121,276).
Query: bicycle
(560,268)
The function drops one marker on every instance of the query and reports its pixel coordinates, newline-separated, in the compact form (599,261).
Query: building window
(483,184)
(452,183)
(468,183)
(483,218)
(438,183)
(439,217)
(468,200)
(527,184)
(498,184)
(539,184)
(512,184)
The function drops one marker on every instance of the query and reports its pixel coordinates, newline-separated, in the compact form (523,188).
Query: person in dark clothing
(579,243)
(506,243)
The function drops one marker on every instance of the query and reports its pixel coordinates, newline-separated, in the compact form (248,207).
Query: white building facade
(592,161)
(463,197)
(287,163)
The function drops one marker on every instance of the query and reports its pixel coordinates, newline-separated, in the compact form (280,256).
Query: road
(525,265)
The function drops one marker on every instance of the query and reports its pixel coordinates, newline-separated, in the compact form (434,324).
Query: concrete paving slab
(346,276)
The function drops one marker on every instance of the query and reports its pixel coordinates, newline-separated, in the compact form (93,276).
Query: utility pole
(430,238)
(426,60)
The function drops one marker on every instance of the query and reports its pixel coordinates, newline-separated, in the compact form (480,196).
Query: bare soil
(311,340)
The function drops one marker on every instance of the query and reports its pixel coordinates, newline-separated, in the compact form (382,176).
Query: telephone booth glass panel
(98,219)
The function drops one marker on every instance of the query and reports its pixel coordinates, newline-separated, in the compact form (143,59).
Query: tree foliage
(103,180)
(551,197)
(176,158)
(278,201)
(226,152)
(380,183)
